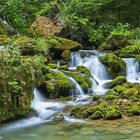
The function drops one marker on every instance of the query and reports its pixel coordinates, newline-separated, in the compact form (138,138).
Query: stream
(42,126)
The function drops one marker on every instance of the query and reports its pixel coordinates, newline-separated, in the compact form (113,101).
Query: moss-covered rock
(128,51)
(96,97)
(120,80)
(110,97)
(17,84)
(83,70)
(115,42)
(66,55)
(96,115)
(115,65)
(4,39)
(64,67)
(59,85)
(58,45)
(134,111)
(30,46)
(112,114)
(131,93)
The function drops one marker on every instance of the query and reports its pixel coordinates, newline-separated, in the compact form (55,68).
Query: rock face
(44,26)
(16,85)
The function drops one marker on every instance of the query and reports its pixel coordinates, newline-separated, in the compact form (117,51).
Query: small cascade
(90,59)
(77,88)
(137,65)
(75,59)
(130,68)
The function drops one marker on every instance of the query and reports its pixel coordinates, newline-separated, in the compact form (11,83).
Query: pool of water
(122,130)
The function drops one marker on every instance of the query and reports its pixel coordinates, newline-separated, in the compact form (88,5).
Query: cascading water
(46,109)
(77,88)
(90,59)
(132,70)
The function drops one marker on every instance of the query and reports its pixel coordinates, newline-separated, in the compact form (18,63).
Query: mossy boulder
(17,84)
(130,93)
(29,46)
(119,89)
(66,55)
(112,114)
(58,86)
(96,97)
(64,67)
(57,45)
(83,70)
(4,39)
(114,65)
(115,42)
(110,97)
(134,111)
(96,115)
(128,51)
(120,80)
(76,111)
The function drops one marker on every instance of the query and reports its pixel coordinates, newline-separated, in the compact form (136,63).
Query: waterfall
(77,88)
(75,59)
(90,59)
(130,68)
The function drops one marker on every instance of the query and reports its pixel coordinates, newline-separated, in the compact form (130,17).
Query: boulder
(43,26)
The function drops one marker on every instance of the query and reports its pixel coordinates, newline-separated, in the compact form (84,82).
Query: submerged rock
(58,117)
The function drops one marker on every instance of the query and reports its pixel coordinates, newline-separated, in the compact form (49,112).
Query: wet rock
(58,117)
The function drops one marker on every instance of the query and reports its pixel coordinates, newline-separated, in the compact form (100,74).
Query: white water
(77,88)
(132,70)
(46,109)
(90,60)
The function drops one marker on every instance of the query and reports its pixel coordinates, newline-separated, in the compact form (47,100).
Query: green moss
(115,65)
(128,51)
(17,84)
(110,97)
(134,111)
(58,86)
(96,115)
(115,42)
(95,97)
(4,39)
(66,55)
(137,87)
(63,67)
(76,111)
(117,81)
(53,66)
(113,114)
(29,46)
(130,93)
(81,79)
(58,45)
(84,70)
(119,89)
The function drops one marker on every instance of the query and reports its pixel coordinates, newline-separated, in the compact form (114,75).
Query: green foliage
(95,97)
(121,30)
(42,44)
